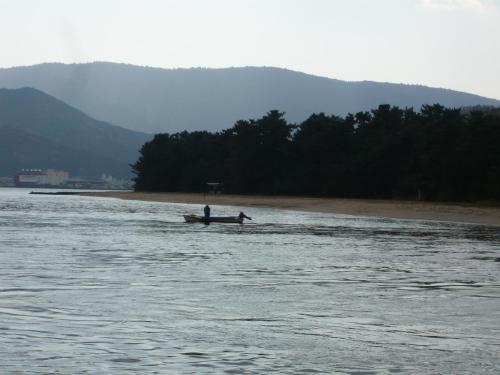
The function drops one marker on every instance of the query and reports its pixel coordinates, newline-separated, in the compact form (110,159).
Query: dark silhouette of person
(243,216)
(206,211)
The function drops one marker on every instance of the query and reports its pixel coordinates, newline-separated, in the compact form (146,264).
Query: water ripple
(92,285)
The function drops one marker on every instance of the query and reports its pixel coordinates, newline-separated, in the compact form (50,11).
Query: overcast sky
(442,43)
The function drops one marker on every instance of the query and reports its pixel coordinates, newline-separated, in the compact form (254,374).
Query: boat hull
(213,219)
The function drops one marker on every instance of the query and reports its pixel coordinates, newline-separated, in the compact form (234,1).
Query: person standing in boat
(206,211)
(243,216)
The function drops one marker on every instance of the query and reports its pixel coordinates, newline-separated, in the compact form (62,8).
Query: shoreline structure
(452,212)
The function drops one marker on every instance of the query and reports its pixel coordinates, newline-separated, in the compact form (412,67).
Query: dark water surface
(105,286)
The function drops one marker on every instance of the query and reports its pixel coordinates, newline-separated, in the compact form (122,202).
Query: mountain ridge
(59,133)
(269,67)
(153,99)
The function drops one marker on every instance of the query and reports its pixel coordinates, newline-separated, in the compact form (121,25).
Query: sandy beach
(466,213)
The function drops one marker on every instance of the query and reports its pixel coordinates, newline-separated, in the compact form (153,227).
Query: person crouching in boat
(243,216)
(206,211)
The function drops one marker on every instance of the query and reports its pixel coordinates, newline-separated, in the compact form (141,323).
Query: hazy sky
(444,43)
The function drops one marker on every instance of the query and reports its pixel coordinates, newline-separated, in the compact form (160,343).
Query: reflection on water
(93,285)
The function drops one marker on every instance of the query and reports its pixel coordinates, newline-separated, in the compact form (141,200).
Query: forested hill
(436,154)
(167,100)
(39,131)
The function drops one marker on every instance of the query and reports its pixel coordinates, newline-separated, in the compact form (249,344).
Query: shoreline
(411,210)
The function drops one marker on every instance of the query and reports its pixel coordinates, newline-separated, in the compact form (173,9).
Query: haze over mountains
(168,100)
(39,131)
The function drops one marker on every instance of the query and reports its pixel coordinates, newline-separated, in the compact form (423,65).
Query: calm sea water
(105,286)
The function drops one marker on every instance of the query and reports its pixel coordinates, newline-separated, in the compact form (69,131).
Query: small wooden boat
(214,219)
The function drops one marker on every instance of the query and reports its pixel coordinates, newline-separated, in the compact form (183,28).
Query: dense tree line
(435,154)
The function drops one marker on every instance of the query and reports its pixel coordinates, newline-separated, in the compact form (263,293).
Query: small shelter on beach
(214,187)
